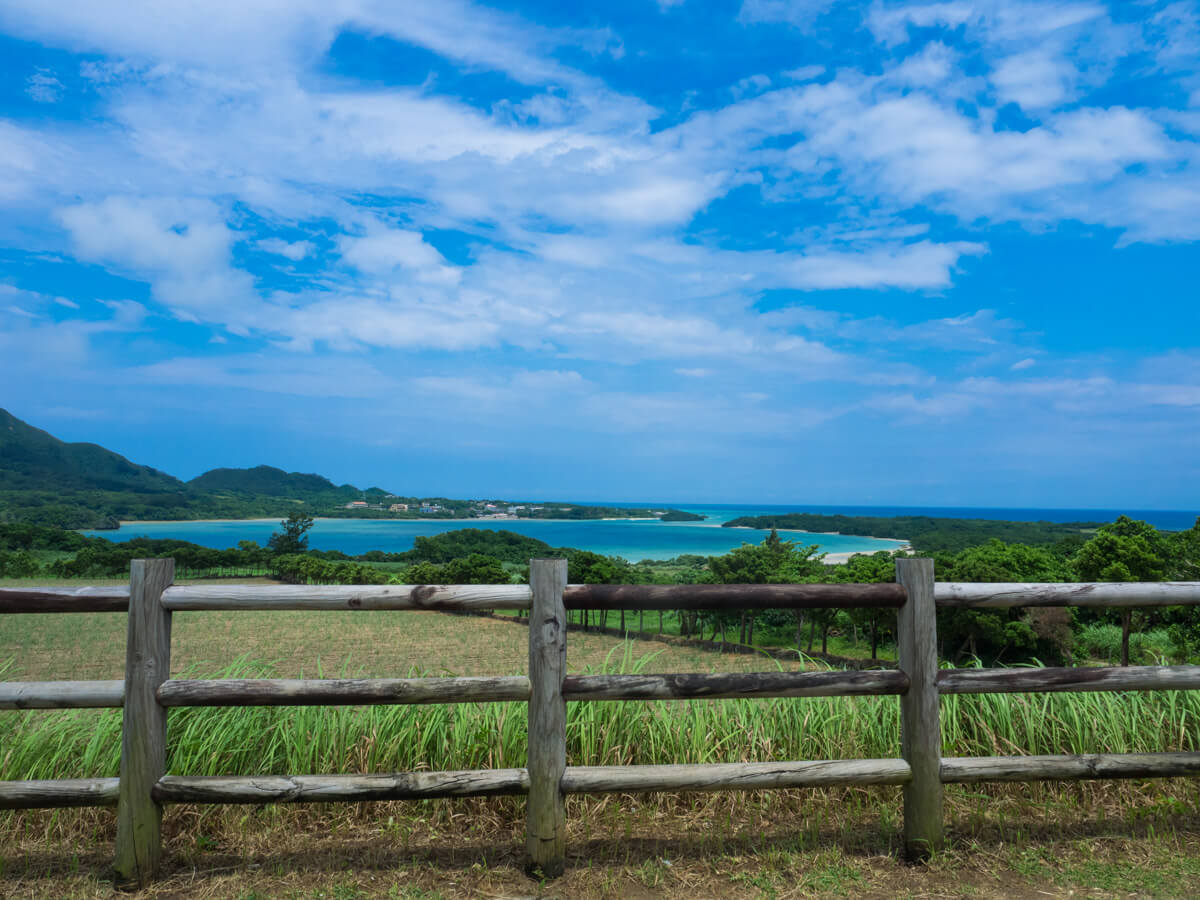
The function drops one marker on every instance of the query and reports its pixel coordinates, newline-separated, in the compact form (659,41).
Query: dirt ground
(800,844)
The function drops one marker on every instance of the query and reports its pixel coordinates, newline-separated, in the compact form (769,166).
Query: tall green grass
(297,740)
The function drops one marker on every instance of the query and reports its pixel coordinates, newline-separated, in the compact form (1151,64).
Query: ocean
(633,540)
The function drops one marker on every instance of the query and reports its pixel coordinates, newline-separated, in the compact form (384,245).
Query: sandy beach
(838,559)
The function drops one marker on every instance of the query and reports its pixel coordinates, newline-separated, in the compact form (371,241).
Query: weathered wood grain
(64,600)
(333,788)
(718,686)
(341,691)
(1080,679)
(546,817)
(920,725)
(968,770)
(348,596)
(60,793)
(61,694)
(733,776)
(144,727)
(1109,594)
(732,596)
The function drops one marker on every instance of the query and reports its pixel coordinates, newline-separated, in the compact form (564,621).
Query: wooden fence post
(545,826)
(144,727)
(920,720)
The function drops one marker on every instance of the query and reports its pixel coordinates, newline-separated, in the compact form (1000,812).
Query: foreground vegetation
(1102,839)
(1125,550)
(1102,842)
(279,741)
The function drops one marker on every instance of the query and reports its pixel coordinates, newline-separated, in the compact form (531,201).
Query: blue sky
(929,253)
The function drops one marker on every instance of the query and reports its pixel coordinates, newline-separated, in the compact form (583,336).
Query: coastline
(124,522)
(838,559)
(223,531)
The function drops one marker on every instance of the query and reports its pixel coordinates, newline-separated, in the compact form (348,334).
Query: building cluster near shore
(476,510)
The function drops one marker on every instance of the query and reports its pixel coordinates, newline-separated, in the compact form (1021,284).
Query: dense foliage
(1125,550)
(506,546)
(926,534)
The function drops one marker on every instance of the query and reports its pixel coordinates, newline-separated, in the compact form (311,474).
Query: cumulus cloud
(293,250)
(587,231)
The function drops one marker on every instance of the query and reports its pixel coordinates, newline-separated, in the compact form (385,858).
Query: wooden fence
(148,691)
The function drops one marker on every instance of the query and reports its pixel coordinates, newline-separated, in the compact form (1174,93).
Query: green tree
(1185,553)
(1125,550)
(774,561)
(871,568)
(293,536)
(475,569)
(990,633)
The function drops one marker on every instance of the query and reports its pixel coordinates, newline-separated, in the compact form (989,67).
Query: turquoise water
(630,539)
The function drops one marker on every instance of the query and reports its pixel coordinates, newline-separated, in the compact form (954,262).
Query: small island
(679,515)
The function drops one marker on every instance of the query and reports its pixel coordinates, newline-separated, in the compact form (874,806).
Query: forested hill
(270,482)
(32,459)
(926,533)
(46,481)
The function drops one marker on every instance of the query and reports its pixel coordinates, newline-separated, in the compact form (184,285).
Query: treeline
(926,534)
(1125,550)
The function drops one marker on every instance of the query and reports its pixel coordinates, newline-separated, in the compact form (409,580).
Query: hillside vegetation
(46,481)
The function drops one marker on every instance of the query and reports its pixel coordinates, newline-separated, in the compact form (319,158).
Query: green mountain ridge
(46,481)
(32,459)
(269,481)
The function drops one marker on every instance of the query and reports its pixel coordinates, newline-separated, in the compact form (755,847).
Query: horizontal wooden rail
(367,691)
(64,600)
(972,769)
(741,684)
(601,596)
(576,780)
(333,788)
(733,776)
(733,596)
(341,691)
(60,793)
(1080,679)
(345,596)
(959,595)
(61,694)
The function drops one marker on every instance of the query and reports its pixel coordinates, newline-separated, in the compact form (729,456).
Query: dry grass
(1081,840)
(372,644)
(785,844)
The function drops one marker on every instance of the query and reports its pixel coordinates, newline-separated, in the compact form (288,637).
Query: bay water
(632,539)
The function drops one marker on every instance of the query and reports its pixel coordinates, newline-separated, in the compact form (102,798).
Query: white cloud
(274,374)
(578,205)
(804,73)
(750,85)
(800,13)
(293,250)
(43,87)
(1034,80)
(911,266)
(383,249)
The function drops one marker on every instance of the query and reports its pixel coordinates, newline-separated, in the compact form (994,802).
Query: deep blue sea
(633,540)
